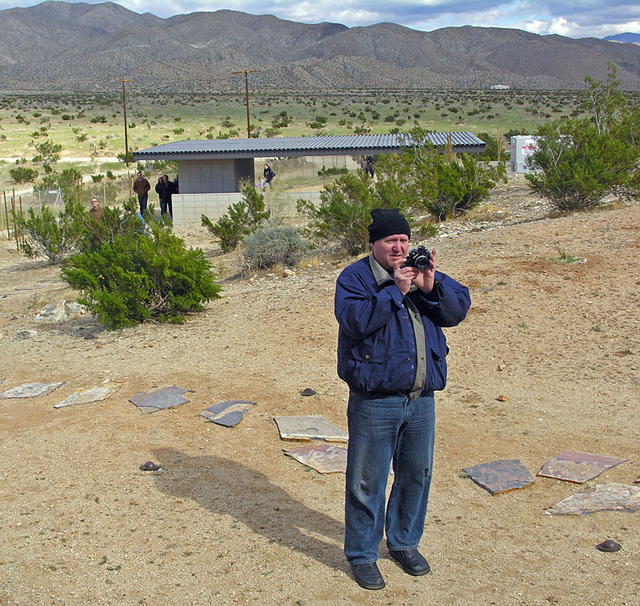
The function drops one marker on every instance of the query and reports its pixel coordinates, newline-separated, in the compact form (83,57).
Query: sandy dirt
(547,360)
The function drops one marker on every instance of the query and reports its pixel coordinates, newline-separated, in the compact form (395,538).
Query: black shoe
(367,575)
(411,561)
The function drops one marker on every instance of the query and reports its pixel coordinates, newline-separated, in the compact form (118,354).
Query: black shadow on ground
(226,487)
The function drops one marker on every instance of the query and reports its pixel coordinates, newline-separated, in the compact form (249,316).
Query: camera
(418,257)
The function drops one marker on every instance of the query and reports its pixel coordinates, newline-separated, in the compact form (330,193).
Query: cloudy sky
(574,18)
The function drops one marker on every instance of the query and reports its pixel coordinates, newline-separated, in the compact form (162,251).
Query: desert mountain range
(64,47)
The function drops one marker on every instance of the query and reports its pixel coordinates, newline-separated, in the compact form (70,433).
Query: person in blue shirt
(392,355)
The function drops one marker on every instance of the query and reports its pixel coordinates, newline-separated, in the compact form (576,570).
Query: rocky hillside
(57,46)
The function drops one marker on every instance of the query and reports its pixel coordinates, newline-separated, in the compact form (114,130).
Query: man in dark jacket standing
(392,354)
(165,189)
(268,174)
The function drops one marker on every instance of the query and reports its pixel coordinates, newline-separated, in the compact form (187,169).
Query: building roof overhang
(290,147)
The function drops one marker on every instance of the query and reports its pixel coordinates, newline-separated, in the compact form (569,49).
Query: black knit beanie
(387,222)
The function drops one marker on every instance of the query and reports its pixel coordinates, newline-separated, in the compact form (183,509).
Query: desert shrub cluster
(422,178)
(137,276)
(126,272)
(580,161)
(241,219)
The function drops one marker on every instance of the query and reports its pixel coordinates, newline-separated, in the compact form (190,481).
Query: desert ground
(547,360)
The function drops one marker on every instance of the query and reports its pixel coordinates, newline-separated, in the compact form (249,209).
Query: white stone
(53,312)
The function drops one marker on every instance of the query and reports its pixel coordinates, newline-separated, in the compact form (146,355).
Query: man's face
(94,202)
(139,176)
(388,251)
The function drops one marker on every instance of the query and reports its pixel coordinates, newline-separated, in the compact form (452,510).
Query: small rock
(26,334)
(53,312)
(502,398)
(76,308)
(609,546)
(308,392)
(149,466)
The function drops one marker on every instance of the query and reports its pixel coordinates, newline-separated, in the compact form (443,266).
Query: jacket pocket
(370,372)
(437,369)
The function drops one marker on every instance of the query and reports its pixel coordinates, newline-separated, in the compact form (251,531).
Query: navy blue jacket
(376,344)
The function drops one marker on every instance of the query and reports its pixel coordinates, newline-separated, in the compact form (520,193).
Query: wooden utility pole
(6,212)
(246,73)
(124,105)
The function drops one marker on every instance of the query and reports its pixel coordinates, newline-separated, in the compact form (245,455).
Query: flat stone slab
(53,313)
(324,458)
(95,394)
(311,427)
(578,467)
(159,399)
(501,476)
(603,497)
(30,390)
(227,414)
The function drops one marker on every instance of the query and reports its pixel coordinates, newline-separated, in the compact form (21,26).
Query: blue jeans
(142,201)
(381,431)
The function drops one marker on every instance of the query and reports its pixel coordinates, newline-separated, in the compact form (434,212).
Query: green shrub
(241,219)
(326,172)
(268,247)
(48,152)
(132,278)
(50,235)
(122,157)
(343,214)
(460,185)
(427,178)
(581,161)
(493,149)
(21,174)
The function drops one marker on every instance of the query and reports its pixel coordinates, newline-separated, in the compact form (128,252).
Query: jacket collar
(381,275)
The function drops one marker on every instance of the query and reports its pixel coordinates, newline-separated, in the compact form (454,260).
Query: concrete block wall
(188,208)
(222,176)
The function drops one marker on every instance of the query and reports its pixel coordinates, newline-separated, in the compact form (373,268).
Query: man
(96,213)
(392,354)
(165,189)
(141,188)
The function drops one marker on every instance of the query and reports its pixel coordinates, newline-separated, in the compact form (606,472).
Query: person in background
(96,213)
(141,188)
(129,215)
(368,168)
(392,355)
(165,189)
(268,174)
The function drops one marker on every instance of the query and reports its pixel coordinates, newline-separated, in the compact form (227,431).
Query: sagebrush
(275,245)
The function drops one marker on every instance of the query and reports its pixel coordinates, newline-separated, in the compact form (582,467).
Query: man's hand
(404,277)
